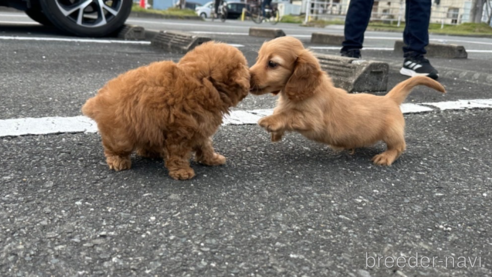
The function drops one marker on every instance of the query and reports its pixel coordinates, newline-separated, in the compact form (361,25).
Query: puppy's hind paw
(276,137)
(182,174)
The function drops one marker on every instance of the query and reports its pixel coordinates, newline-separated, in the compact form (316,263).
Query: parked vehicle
(190,5)
(90,18)
(234,9)
(205,10)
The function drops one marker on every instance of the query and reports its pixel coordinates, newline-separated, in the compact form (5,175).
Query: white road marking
(219,33)
(19,22)
(82,124)
(384,49)
(107,41)
(462,104)
(338,48)
(8,14)
(186,23)
(46,125)
(407,108)
(88,40)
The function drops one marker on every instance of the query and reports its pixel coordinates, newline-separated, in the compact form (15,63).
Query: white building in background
(443,11)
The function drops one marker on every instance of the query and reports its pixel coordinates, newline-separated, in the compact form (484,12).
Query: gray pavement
(294,208)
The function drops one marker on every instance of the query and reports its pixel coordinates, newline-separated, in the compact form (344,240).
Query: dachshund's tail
(400,92)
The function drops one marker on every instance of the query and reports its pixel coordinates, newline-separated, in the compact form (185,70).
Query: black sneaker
(351,53)
(419,65)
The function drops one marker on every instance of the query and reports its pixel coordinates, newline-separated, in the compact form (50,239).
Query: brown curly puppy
(170,110)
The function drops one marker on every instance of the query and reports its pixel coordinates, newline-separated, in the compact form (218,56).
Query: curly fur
(170,110)
(311,105)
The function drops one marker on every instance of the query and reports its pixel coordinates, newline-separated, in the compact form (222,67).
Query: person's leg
(416,33)
(416,38)
(356,21)
(216,7)
(264,3)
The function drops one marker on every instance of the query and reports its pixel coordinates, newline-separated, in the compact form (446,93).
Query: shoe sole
(411,73)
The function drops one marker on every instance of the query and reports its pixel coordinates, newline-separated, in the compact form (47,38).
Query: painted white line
(463,41)
(414,108)
(75,40)
(339,47)
(236,45)
(19,22)
(46,125)
(238,34)
(185,23)
(219,33)
(8,14)
(80,124)
(384,49)
(240,118)
(479,51)
(441,41)
(88,40)
(462,104)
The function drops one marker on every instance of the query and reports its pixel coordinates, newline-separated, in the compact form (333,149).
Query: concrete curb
(178,42)
(355,75)
(437,50)
(266,32)
(132,32)
(328,39)
(149,35)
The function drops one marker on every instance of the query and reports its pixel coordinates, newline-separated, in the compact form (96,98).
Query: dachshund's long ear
(305,78)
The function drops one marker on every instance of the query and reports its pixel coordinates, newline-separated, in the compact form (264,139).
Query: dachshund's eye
(272,64)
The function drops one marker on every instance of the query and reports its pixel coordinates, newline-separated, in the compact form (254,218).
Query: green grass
(170,11)
(435,28)
(291,19)
(462,29)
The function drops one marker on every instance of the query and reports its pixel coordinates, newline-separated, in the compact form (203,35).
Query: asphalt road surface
(294,208)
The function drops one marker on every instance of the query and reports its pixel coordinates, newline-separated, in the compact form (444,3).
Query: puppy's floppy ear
(242,78)
(305,78)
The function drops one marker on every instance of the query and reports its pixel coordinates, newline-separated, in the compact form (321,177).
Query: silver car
(90,18)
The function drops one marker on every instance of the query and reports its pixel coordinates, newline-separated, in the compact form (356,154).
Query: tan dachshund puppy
(311,105)
(170,110)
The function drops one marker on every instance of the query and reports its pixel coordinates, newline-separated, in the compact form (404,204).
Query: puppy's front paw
(217,159)
(383,159)
(276,137)
(270,124)
(182,174)
(118,163)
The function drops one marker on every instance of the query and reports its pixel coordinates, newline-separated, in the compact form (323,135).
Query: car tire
(36,13)
(89,20)
(38,16)
(203,15)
